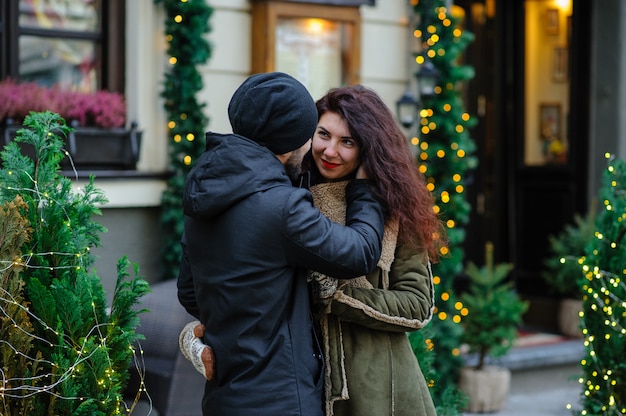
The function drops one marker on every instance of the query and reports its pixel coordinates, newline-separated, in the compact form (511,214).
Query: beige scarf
(330,199)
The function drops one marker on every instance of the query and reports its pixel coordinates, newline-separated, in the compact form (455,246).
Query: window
(75,44)
(317,44)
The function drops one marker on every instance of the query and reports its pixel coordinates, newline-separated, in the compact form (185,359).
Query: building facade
(548,95)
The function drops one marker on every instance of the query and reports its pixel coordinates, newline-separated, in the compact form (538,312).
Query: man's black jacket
(249,235)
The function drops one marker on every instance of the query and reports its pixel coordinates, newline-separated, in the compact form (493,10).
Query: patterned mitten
(192,347)
(324,287)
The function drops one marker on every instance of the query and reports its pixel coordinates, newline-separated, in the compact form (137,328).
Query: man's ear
(284,157)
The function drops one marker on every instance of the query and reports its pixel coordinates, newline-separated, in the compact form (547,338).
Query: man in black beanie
(249,235)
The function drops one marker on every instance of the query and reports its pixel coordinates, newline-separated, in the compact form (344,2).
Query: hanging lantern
(427,78)
(407,109)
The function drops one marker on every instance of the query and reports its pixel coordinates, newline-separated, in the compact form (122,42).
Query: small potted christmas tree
(563,272)
(489,329)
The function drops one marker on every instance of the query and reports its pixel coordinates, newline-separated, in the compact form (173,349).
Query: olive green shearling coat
(371,369)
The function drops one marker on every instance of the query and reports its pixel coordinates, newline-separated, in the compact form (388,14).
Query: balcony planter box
(93,148)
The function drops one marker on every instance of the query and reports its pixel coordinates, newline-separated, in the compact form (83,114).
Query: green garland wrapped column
(186,24)
(445,153)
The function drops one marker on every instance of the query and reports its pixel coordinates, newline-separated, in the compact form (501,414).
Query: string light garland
(61,350)
(603,318)
(445,155)
(186,24)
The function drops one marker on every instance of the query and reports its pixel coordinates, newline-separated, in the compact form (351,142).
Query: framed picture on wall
(551,132)
(552,21)
(560,64)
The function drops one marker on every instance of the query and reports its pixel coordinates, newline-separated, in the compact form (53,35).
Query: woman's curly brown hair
(389,164)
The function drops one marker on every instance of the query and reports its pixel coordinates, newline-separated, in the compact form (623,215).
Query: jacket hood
(231,169)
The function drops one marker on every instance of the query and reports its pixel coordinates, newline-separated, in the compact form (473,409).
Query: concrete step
(528,356)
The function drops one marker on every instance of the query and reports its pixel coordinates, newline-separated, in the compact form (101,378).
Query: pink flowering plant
(100,109)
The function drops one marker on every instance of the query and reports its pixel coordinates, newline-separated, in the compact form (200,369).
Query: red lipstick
(329,165)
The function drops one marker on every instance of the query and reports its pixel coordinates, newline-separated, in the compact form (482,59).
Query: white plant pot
(569,318)
(487,389)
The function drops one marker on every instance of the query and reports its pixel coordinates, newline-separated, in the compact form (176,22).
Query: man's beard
(293,166)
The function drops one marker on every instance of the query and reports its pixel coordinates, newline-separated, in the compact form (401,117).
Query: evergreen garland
(446,156)
(186,23)
(66,354)
(604,301)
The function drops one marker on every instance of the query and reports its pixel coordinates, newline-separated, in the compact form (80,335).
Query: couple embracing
(305,294)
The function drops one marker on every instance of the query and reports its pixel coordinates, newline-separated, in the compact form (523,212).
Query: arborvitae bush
(15,362)
(73,354)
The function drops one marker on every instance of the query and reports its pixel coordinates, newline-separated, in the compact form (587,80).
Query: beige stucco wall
(146,63)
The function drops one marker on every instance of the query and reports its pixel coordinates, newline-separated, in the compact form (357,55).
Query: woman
(370,366)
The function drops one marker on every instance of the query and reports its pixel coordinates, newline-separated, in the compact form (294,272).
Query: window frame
(111,47)
(265,16)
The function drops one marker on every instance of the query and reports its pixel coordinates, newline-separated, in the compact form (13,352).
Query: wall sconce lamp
(407,108)
(427,78)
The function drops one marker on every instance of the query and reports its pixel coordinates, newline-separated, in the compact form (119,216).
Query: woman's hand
(360,173)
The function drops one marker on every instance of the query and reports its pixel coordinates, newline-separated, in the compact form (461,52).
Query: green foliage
(15,324)
(495,309)
(562,271)
(187,43)
(604,301)
(75,355)
(447,155)
(452,399)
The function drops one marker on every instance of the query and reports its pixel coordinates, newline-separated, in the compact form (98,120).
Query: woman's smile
(329,165)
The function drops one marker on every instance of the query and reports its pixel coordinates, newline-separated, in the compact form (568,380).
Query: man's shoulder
(285,193)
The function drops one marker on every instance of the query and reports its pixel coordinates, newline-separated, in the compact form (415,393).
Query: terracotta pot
(487,389)
(569,318)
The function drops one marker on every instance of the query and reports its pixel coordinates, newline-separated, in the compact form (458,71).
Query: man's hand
(192,347)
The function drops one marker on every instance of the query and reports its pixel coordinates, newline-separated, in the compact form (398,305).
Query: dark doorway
(524,190)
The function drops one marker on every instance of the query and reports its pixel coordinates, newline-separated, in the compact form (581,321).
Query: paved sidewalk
(544,380)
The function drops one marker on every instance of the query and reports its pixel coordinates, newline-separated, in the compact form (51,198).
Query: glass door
(548,27)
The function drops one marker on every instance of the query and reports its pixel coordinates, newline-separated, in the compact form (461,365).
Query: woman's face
(335,152)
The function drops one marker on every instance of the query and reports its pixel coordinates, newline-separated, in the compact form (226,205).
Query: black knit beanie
(275,110)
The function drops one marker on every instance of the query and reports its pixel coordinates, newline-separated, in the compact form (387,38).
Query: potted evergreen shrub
(489,329)
(563,271)
(64,351)
(99,139)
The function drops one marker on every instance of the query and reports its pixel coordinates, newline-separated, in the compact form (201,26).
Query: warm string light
(22,388)
(604,292)
(430,45)
(187,159)
(48,383)
(44,201)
